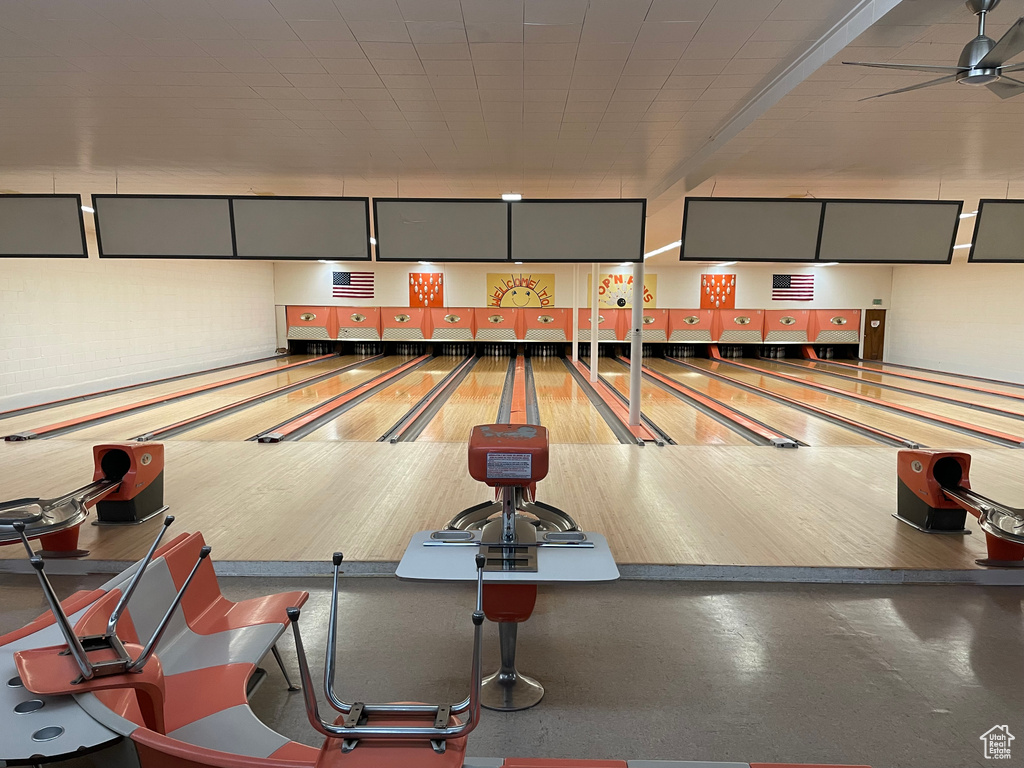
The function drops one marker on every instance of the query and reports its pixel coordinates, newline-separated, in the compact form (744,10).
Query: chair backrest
(204,592)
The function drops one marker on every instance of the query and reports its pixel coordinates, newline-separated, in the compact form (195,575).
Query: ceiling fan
(982,62)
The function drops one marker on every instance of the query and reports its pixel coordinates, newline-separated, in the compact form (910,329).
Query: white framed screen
(42,226)
(285,228)
(750,229)
(578,230)
(163,226)
(441,230)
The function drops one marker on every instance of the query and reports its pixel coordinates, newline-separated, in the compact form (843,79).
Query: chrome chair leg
(280,662)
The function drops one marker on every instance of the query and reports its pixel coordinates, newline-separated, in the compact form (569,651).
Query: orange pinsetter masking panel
(608,324)
(358,323)
(311,322)
(405,323)
(547,324)
(508,454)
(496,323)
(690,324)
(738,326)
(834,326)
(786,325)
(655,325)
(452,324)
(140,469)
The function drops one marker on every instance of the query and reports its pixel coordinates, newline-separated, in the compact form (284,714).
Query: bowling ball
(621,302)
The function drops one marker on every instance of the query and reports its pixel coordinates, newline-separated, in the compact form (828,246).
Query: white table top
(555,565)
(81,732)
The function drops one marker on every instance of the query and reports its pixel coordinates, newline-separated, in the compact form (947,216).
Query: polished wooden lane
(86,407)
(880,377)
(921,432)
(797,424)
(372,418)
(564,408)
(683,423)
(154,418)
(821,507)
(947,410)
(474,402)
(952,378)
(251,421)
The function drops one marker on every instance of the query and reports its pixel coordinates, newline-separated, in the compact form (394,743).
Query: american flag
(792,287)
(353,285)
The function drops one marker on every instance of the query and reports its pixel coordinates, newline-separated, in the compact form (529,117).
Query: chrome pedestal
(508,689)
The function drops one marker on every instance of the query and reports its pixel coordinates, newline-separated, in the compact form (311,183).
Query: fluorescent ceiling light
(87,209)
(511,197)
(958,247)
(519,263)
(373,241)
(726,264)
(827,264)
(326,261)
(664,248)
(425,263)
(968,215)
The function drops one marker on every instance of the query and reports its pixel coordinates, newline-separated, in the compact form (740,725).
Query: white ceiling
(475,97)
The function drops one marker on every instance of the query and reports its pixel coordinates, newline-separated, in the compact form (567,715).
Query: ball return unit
(523,543)
(935,496)
(127,488)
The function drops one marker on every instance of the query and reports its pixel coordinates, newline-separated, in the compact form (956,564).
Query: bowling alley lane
(872,376)
(921,432)
(251,421)
(564,408)
(375,416)
(795,423)
(164,415)
(947,410)
(474,402)
(683,423)
(85,407)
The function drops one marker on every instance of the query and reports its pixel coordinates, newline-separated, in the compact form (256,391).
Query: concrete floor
(887,676)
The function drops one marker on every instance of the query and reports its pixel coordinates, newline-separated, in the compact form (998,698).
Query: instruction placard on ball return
(509,465)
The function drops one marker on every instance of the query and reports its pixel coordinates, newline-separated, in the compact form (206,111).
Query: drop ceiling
(551,98)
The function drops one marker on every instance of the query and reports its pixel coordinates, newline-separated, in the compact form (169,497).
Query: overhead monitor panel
(42,226)
(999,231)
(578,230)
(750,229)
(441,230)
(302,228)
(142,226)
(889,231)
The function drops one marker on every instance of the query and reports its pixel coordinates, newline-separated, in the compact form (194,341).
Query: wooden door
(874,334)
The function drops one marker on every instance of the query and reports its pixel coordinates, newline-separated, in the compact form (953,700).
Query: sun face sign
(510,291)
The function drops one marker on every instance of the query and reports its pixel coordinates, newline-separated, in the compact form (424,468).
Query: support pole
(594,322)
(575,313)
(636,344)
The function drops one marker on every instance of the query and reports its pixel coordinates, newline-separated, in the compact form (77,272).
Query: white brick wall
(72,326)
(964,318)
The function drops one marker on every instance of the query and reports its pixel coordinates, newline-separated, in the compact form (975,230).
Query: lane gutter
(417,418)
(746,426)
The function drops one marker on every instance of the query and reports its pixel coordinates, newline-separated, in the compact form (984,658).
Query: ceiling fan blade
(1006,88)
(1011,68)
(908,67)
(1009,45)
(919,86)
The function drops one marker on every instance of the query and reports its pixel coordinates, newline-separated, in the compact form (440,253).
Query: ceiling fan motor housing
(974,52)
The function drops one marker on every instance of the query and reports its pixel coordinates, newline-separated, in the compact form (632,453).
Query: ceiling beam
(709,159)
